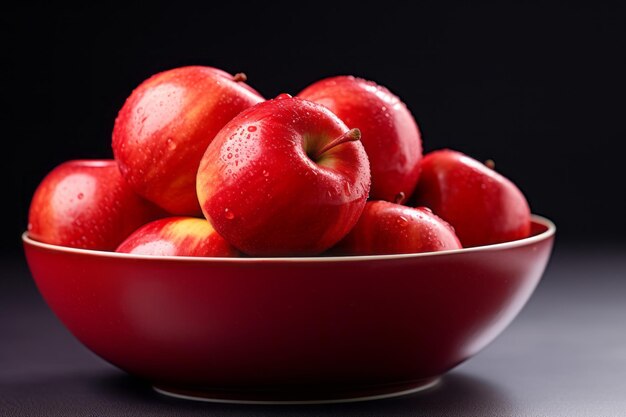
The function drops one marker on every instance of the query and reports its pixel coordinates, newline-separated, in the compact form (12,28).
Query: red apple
(286,177)
(390,135)
(87,204)
(483,206)
(177,236)
(388,228)
(165,126)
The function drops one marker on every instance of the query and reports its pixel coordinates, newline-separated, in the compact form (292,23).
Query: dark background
(538,88)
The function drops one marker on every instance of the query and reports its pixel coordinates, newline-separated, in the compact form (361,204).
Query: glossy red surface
(269,185)
(290,326)
(165,126)
(388,228)
(177,236)
(483,206)
(87,204)
(390,134)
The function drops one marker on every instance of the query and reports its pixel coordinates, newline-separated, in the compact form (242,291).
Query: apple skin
(390,134)
(87,204)
(165,126)
(263,193)
(177,236)
(483,206)
(386,228)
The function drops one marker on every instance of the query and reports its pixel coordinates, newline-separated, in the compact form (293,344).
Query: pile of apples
(205,166)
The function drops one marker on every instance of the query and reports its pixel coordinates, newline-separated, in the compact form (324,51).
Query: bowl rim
(549,232)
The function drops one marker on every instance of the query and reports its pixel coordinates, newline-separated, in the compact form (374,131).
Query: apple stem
(350,136)
(240,77)
(489,163)
(399,199)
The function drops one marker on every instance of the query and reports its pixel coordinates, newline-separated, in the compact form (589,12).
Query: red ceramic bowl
(290,329)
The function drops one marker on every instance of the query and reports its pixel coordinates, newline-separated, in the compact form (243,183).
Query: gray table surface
(564,355)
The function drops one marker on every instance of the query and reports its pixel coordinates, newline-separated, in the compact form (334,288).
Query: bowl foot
(313,396)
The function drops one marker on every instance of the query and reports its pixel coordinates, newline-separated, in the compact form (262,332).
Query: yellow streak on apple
(188,228)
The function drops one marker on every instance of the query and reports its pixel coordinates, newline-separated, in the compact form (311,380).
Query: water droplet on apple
(265,173)
(229,214)
(403,221)
(171,145)
(251,129)
(230,155)
(80,196)
(283,96)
